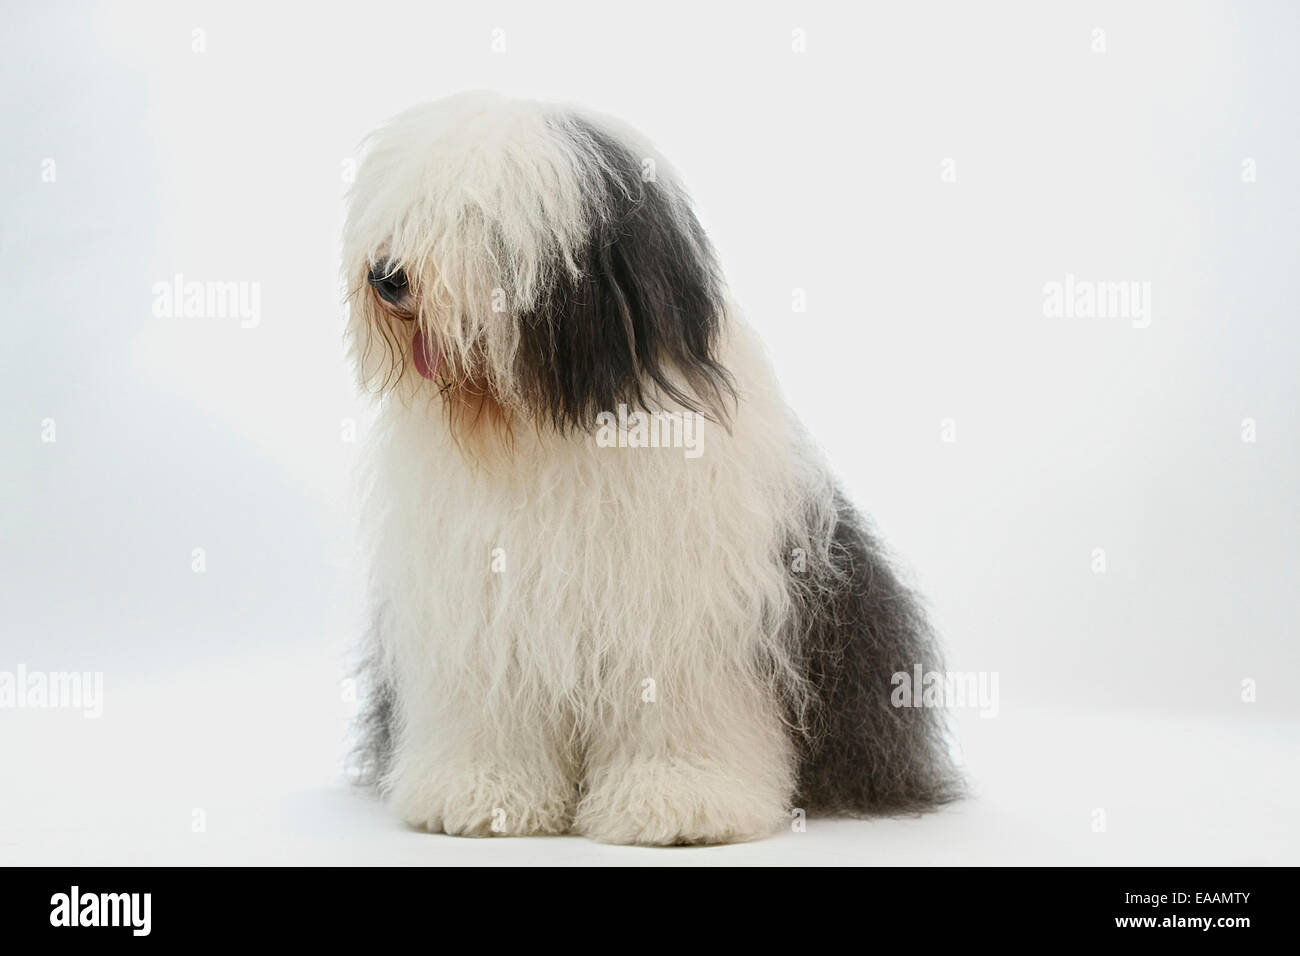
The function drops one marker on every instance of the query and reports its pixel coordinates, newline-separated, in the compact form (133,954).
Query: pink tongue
(425,364)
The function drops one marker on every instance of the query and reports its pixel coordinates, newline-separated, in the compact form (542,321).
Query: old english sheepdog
(617,592)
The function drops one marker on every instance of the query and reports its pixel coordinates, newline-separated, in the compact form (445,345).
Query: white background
(1120,692)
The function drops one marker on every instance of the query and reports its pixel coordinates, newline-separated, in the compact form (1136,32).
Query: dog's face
(518,257)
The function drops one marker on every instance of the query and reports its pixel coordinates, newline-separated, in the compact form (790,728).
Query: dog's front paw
(666,802)
(483,801)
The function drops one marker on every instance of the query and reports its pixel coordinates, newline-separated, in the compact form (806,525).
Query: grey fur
(857,626)
(375,726)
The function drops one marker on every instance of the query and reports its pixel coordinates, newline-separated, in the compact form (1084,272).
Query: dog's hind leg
(861,754)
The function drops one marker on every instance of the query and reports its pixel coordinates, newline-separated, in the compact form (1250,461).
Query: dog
(617,591)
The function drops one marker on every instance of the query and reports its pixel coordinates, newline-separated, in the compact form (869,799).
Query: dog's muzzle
(391,285)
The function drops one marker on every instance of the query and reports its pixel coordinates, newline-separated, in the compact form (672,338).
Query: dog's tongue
(427,358)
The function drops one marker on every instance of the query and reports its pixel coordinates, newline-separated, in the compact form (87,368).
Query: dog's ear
(641,317)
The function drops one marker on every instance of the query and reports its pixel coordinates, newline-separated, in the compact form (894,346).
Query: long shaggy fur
(862,627)
(624,642)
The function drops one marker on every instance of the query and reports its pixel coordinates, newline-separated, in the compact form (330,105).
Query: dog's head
(525,258)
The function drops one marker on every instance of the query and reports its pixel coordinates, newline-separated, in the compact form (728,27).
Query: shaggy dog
(617,592)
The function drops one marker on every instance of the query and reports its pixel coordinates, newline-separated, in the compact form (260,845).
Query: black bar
(921,905)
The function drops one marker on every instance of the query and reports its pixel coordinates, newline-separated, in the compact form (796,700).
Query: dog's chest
(576,534)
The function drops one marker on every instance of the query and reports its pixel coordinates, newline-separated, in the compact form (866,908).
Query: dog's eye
(390,282)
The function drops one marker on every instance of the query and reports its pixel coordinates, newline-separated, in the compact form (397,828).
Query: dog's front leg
(706,760)
(464,769)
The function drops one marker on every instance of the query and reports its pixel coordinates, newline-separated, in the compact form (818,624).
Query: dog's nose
(390,282)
